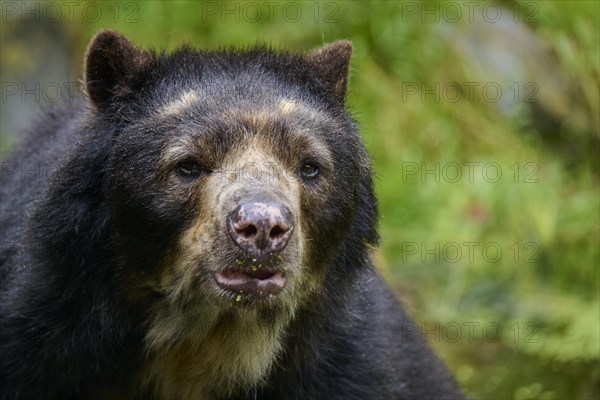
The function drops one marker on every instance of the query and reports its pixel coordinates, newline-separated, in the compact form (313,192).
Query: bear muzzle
(261,228)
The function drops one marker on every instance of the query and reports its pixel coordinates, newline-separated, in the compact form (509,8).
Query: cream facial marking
(287,106)
(180,105)
(210,349)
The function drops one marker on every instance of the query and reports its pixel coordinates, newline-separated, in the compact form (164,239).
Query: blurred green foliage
(521,323)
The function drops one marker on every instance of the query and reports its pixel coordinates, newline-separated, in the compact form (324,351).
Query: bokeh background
(483,122)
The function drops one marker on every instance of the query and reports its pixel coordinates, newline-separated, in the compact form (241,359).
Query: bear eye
(309,171)
(191,169)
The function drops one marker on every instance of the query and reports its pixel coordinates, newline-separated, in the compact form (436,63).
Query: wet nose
(259,227)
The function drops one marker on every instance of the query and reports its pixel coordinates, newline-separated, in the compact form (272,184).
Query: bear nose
(259,227)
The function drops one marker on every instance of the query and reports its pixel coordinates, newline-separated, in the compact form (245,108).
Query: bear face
(229,193)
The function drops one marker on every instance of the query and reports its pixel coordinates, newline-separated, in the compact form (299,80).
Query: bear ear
(111,64)
(332,63)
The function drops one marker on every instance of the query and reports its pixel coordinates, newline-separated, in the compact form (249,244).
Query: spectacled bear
(201,230)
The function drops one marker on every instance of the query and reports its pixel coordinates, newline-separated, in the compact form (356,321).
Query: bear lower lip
(262,282)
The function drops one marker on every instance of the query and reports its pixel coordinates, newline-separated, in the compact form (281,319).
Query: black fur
(74,237)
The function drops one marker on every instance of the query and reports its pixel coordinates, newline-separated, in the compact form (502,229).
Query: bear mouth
(261,282)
